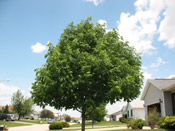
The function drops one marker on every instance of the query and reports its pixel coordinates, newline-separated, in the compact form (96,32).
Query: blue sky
(27,25)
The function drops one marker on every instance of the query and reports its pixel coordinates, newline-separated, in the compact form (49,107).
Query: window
(131,113)
(128,113)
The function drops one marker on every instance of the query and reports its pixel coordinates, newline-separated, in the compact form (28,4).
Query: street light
(4,80)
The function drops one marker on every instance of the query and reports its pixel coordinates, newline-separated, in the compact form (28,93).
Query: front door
(173,100)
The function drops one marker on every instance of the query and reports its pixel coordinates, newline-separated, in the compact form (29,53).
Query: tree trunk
(19,117)
(93,123)
(83,121)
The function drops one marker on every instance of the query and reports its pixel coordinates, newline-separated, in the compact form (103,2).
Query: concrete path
(35,127)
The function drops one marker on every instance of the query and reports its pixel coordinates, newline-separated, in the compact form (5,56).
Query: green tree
(6,109)
(96,113)
(17,103)
(67,118)
(46,114)
(87,67)
(27,106)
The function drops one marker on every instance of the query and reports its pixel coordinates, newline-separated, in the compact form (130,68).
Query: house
(115,116)
(160,94)
(135,109)
(35,114)
(10,108)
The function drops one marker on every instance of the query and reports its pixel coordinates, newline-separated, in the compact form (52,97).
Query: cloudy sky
(27,26)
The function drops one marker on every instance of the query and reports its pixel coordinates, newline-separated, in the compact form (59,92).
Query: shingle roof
(162,83)
(137,104)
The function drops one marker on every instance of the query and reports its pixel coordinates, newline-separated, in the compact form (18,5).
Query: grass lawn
(34,121)
(142,130)
(12,123)
(118,130)
(103,123)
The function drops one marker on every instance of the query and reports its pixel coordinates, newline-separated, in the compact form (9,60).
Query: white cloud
(96,2)
(147,75)
(140,28)
(167,25)
(171,77)
(144,67)
(6,93)
(38,48)
(102,22)
(157,63)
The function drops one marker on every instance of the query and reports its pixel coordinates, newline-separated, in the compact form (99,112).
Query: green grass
(118,130)
(103,123)
(12,124)
(142,130)
(34,121)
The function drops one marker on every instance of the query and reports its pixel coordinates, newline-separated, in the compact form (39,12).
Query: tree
(6,109)
(27,106)
(17,103)
(67,118)
(46,114)
(96,113)
(87,67)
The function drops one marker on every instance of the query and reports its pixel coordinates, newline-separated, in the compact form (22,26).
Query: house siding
(139,114)
(168,104)
(153,95)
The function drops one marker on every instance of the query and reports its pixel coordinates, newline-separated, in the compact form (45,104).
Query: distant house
(135,109)
(10,108)
(35,114)
(160,94)
(115,116)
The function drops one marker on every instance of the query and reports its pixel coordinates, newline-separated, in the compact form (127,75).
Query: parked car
(6,117)
(51,121)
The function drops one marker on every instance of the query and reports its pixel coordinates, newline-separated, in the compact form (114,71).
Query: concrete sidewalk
(35,127)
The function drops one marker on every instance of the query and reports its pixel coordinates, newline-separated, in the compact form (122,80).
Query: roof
(161,84)
(116,113)
(9,107)
(137,104)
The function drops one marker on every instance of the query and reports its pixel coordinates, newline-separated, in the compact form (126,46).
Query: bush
(65,124)
(67,118)
(31,118)
(167,122)
(55,126)
(152,118)
(136,124)
(125,120)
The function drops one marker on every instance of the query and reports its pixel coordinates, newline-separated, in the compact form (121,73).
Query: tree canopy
(87,67)
(22,106)
(46,114)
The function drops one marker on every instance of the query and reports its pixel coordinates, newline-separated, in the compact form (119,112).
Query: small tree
(87,67)
(67,118)
(152,117)
(27,106)
(46,114)
(17,103)
(5,109)
(96,113)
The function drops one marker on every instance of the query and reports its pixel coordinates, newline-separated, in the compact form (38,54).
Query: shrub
(65,124)
(55,126)
(152,118)
(125,120)
(67,118)
(167,122)
(136,124)
(31,118)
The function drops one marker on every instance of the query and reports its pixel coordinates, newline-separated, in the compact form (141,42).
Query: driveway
(35,127)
